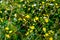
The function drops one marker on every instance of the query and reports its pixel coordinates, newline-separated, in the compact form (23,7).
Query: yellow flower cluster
(30,30)
(9,31)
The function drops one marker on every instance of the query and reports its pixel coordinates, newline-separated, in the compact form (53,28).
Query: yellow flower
(10,31)
(1,19)
(36,18)
(24,19)
(28,8)
(46,19)
(47,4)
(28,1)
(46,34)
(19,19)
(19,5)
(42,2)
(31,31)
(27,16)
(51,0)
(7,9)
(46,15)
(15,15)
(50,31)
(32,27)
(32,5)
(7,35)
(23,5)
(27,33)
(21,0)
(44,29)
(40,6)
(56,4)
(6,28)
(0,11)
(50,38)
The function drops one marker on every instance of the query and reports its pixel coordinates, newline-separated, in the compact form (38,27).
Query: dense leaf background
(29,19)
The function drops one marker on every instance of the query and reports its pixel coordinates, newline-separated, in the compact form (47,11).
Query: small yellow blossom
(19,5)
(24,19)
(15,15)
(36,18)
(40,6)
(50,38)
(56,4)
(28,8)
(44,29)
(0,11)
(6,28)
(28,1)
(27,33)
(10,31)
(7,35)
(19,19)
(32,27)
(32,5)
(46,15)
(50,31)
(52,0)
(46,34)
(21,0)
(46,20)
(1,20)
(7,9)
(42,2)
(31,31)
(47,4)
(27,16)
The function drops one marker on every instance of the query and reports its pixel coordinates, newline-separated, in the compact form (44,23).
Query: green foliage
(29,19)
